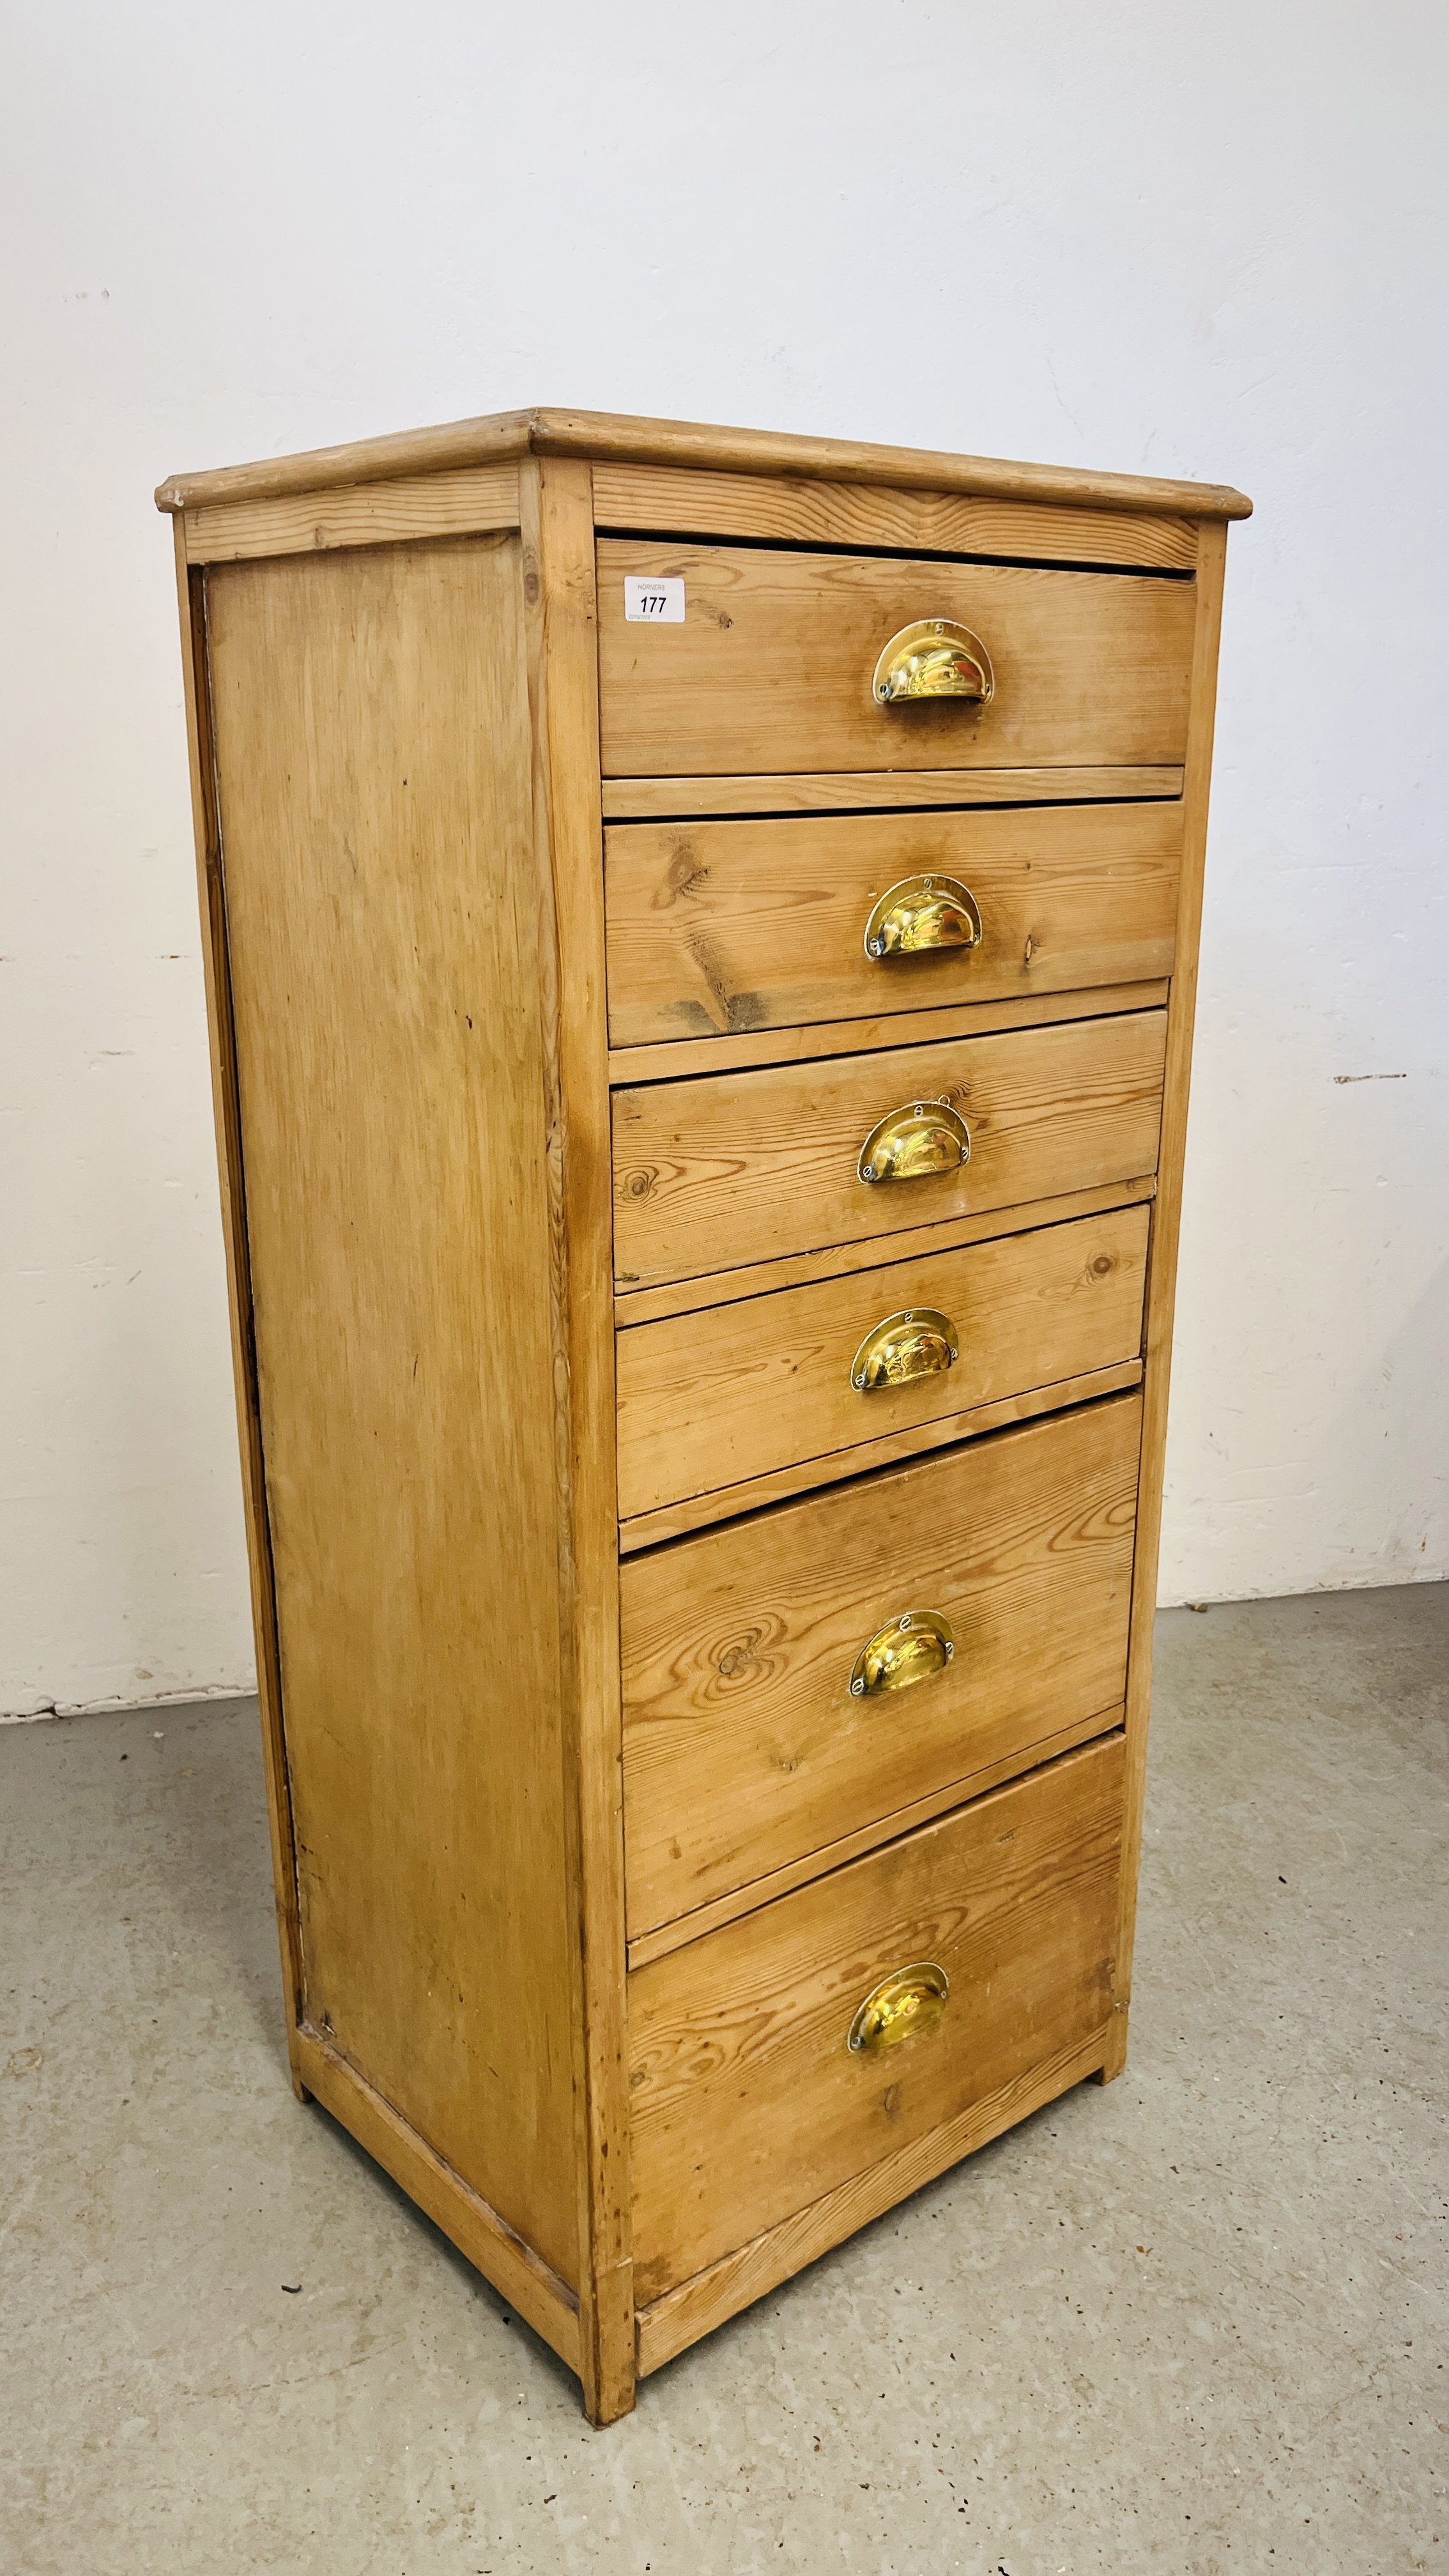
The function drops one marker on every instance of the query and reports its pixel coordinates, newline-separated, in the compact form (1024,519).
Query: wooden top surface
(619,437)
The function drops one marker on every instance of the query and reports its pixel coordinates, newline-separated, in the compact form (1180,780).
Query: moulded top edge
(619,438)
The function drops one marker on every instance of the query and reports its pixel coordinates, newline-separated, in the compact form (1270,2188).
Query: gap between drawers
(877,1252)
(660,1939)
(874,1033)
(786,1484)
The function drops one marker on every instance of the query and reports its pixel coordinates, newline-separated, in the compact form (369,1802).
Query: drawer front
(772,665)
(709,1399)
(746,1748)
(733,1168)
(747,2101)
(721,927)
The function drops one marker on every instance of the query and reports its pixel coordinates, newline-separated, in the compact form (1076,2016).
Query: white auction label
(657,602)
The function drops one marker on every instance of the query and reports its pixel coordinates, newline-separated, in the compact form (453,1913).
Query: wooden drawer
(772,665)
(732,1168)
(715,927)
(747,2102)
(710,1399)
(745,1749)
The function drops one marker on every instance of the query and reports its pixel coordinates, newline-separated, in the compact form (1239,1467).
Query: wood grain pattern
(748,2105)
(377,839)
(622,437)
(669,1058)
(743,1167)
(668,501)
(490,2244)
(221,1034)
(835,790)
(760,1493)
(734,1392)
(664,1937)
(771,667)
(743,1748)
(838,1260)
(484,497)
(720,928)
(558,585)
(1167,1214)
(708,2298)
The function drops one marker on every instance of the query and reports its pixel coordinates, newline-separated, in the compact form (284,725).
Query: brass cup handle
(934,658)
(902,2005)
(907,1650)
(919,1342)
(910,1144)
(921,913)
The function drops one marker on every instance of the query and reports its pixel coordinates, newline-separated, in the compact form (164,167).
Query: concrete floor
(1194,2321)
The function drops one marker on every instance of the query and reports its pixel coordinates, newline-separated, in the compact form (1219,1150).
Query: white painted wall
(1206,242)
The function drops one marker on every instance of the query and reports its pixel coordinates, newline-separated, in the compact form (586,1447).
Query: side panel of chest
(373,764)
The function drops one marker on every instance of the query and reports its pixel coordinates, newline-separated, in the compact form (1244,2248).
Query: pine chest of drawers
(700,936)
